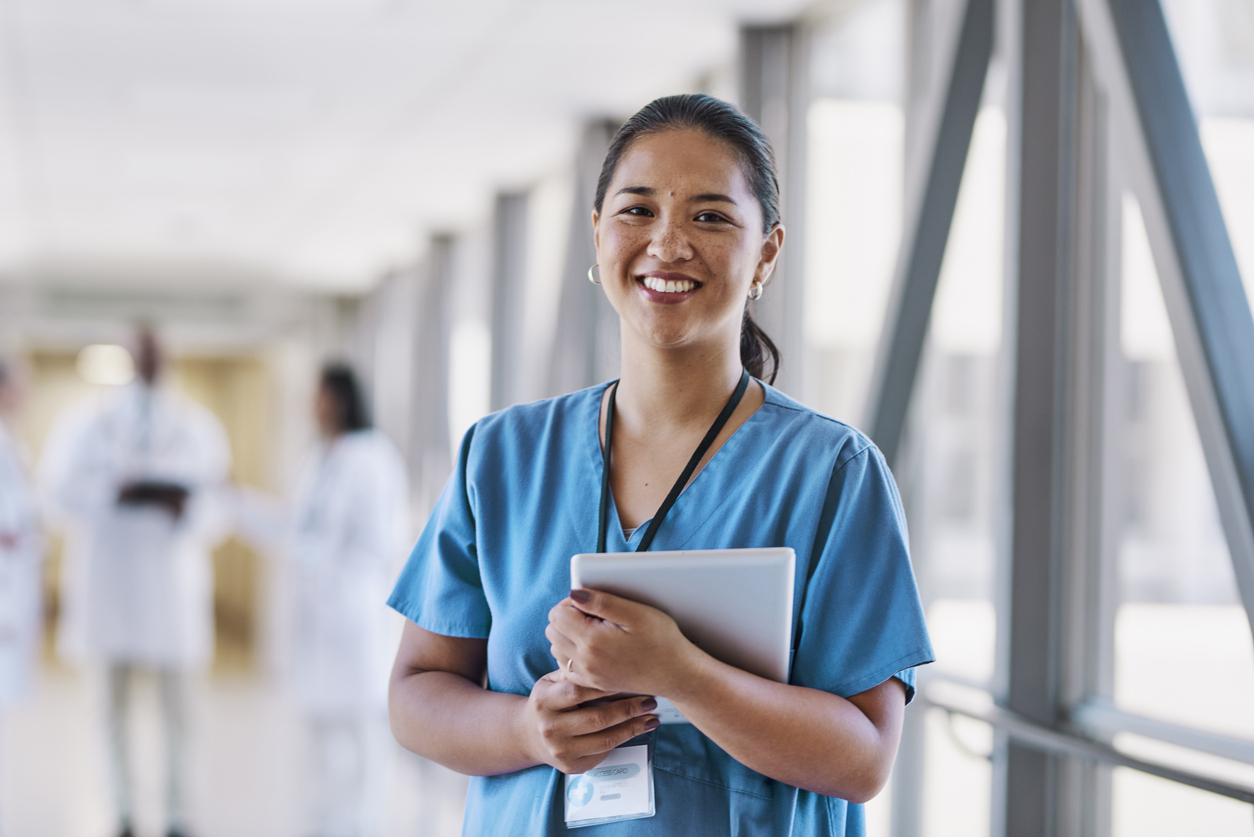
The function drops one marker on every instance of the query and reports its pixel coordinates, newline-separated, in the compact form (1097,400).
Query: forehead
(683,162)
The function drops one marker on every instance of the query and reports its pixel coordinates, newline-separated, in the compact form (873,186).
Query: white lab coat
(137,585)
(21,590)
(347,535)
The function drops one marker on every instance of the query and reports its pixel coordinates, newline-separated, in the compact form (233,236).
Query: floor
(246,775)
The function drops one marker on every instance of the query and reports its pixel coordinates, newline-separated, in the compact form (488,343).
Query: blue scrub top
(495,557)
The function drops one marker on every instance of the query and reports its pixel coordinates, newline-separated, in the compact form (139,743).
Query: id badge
(619,788)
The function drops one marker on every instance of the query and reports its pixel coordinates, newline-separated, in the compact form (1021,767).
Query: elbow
(862,789)
(865,789)
(858,786)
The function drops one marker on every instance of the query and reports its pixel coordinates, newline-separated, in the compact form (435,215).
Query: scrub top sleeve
(861,621)
(440,588)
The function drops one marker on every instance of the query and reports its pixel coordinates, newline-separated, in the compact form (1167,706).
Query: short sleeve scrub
(495,557)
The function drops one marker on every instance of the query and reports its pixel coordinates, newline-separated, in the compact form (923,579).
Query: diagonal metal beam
(1206,300)
(923,248)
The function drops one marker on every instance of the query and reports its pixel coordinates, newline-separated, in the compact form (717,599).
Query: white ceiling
(310,142)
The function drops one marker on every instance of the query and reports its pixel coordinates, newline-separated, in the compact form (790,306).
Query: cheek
(620,245)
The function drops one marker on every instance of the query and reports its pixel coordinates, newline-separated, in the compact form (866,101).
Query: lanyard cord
(678,487)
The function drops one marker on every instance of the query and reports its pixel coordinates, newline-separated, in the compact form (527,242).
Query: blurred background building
(1016,234)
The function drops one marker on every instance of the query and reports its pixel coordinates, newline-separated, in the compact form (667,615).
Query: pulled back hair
(723,122)
(339,380)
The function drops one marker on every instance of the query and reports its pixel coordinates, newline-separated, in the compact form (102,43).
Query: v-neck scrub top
(495,557)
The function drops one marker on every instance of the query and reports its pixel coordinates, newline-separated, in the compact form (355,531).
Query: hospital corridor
(322,323)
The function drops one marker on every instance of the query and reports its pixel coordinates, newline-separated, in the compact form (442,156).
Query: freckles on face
(679,235)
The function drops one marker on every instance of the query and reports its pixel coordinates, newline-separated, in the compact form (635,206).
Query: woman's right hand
(561,731)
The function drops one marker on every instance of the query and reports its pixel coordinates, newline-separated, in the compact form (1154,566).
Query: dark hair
(723,122)
(339,380)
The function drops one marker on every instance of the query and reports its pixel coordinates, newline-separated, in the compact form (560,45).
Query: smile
(668,286)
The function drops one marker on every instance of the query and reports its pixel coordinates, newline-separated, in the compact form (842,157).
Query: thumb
(603,605)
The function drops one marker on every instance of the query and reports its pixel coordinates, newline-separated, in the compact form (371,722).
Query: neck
(671,388)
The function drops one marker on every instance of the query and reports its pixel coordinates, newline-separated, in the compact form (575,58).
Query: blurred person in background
(342,535)
(21,551)
(134,479)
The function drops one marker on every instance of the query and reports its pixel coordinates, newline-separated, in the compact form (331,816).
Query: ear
(596,230)
(771,248)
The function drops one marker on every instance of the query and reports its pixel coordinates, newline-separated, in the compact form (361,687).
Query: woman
(347,526)
(497,662)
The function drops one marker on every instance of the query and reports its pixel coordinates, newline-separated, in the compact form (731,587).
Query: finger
(590,720)
(605,606)
(560,647)
(557,692)
(573,623)
(615,736)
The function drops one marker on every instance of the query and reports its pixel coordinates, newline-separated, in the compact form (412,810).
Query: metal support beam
(586,345)
(1094,400)
(927,233)
(430,440)
(509,278)
(774,93)
(1206,301)
(1041,410)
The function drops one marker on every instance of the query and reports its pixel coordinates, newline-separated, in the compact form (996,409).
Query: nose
(670,242)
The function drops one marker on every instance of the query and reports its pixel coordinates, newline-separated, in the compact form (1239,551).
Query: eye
(638,211)
(711,218)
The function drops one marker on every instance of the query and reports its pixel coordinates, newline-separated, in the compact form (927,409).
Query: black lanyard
(697,456)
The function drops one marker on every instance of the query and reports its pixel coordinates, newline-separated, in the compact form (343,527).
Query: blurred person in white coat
(349,525)
(343,536)
(134,479)
(21,553)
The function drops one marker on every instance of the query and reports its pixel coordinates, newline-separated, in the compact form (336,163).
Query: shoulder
(807,432)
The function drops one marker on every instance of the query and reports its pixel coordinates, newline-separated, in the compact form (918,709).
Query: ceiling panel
(315,142)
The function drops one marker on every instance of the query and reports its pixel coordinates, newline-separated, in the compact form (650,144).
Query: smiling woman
(703,141)
(687,231)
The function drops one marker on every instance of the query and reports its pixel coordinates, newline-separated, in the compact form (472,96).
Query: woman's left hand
(616,645)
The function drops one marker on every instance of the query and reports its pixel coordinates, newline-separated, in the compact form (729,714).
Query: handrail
(1103,718)
(1070,744)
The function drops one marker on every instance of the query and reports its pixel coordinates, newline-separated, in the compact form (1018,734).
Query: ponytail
(756,350)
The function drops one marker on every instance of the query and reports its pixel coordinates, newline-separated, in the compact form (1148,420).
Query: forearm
(444,717)
(804,737)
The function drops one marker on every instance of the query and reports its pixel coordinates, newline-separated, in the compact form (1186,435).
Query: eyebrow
(704,197)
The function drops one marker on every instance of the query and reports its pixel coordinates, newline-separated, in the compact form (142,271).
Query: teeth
(668,286)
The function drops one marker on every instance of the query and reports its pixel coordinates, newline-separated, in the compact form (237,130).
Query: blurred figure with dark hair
(134,477)
(343,535)
(349,530)
(21,553)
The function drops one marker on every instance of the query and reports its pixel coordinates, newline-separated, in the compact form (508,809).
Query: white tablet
(734,604)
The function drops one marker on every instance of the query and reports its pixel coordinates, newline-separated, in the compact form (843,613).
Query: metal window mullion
(431,367)
(1043,413)
(773,70)
(509,275)
(586,325)
(1085,787)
